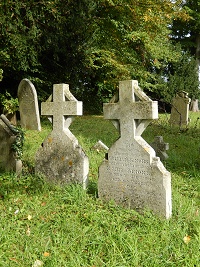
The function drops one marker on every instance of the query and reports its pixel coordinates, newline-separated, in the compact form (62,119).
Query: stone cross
(135,115)
(61,158)
(160,147)
(60,107)
(131,174)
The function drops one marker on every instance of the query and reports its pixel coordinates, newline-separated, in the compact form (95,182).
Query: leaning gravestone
(180,109)
(60,158)
(28,106)
(131,174)
(8,157)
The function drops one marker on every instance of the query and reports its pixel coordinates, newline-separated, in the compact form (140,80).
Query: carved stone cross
(64,104)
(134,110)
(131,174)
(160,147)
(60,157)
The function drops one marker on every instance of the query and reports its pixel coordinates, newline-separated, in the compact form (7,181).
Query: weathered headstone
(8,157)
(160,147)
(131,174)
(194,105)
(28,106)
(60,158)
(180,109)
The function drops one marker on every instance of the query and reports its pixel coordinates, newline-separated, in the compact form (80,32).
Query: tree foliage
(183,77)
(89,44)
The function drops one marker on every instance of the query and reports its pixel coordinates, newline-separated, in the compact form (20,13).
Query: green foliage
(1,74)
(10,104)
(17,145)
(183,77)
(90,44)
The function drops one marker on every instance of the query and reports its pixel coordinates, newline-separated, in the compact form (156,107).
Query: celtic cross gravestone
(131,174)
(60,158)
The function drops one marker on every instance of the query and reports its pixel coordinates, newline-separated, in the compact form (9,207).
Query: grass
(67,226)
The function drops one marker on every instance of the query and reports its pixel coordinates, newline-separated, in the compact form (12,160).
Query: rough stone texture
(194,105)
(8,159)
(28,106)
(60,158)
(131,174)
(160,147)
(180,109)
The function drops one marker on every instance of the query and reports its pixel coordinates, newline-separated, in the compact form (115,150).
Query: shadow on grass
(11,184)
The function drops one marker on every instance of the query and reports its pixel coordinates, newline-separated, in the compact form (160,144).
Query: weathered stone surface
(160,147)
(8,159)
(131,174)
(194,105)
(28,106)
(61,158)
(180,109)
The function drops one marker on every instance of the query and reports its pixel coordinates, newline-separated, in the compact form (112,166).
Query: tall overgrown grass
(44,224)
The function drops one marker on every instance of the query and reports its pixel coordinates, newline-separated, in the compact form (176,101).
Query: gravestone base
(61,160)
(134,178)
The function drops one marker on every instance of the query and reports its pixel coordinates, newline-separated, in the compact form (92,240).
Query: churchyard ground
(44,224)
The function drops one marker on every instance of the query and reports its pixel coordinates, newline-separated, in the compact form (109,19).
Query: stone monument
(180,109)
(9,160)
(61,158)
(160,147)
(28,106)
(131,174)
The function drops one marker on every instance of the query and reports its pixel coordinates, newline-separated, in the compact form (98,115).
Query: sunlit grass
(67,226)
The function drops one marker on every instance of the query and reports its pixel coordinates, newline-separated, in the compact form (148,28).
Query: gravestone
(160,147)
(28,106)
(61,158)
(194,105)
(9,161)
(180,109)
(131,174)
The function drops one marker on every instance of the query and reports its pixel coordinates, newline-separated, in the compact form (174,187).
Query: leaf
(28,232)
(14,259)
(186,239)
(46,254)
(17,211)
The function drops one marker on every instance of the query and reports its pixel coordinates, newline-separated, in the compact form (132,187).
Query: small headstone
(131,174)
(194,105)
(8,157)
(60,158)
(180,109)
(160,147)
(28,106)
